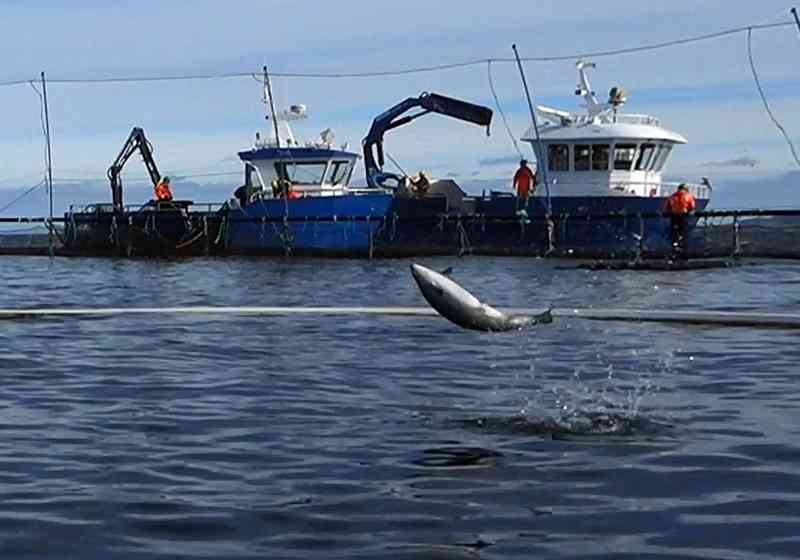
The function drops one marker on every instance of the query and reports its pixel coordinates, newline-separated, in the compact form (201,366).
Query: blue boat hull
(380,225)
(581,226)
(325,226)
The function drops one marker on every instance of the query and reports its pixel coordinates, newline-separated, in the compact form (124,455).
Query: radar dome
(617,96)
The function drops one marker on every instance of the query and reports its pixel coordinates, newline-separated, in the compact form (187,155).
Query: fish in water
(456,304)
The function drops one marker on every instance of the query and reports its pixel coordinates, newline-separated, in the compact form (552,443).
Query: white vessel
(604,152)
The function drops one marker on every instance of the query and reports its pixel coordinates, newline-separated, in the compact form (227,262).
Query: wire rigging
(464,64)
(41,117)
(418,69)
(23,195)
(764,97)
(397,165)
(500,109)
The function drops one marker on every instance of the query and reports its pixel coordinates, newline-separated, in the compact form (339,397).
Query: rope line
(418,69)
(23,195)
(764,98)
(396,164)
(500,109)
(42,121)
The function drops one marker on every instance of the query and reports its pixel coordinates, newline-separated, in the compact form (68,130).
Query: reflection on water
(395,437)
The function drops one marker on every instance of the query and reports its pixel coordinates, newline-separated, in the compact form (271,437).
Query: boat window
(558,157)
(583,157)
(600,157)
(662,160)
(646,160)
(303,173)
(339,172)
(267,172)
(624,155)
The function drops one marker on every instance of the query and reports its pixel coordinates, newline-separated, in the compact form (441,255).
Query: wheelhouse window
(624,155)
(600,157)
(558,157)
(339,172)
(646,160)
(303,173)
(265,172)
(583,157)
(662,156)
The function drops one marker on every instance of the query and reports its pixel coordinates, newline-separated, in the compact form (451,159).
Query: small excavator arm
(136,141)
(391,118)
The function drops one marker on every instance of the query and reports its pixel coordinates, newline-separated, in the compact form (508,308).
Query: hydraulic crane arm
(390,119)
(136,141)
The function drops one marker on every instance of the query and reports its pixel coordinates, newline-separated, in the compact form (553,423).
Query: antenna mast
(268,92)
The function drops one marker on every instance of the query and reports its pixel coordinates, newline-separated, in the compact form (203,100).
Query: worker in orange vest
(524,182)
(163,192)
(679,206)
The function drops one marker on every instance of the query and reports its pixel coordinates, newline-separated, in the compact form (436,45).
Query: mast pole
(796,19)
(541,162)
(268,85)
(49,163)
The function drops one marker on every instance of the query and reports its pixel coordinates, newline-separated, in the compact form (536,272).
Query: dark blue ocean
(174,436)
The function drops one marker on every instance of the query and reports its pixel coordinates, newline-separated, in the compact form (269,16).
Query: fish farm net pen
(725,233)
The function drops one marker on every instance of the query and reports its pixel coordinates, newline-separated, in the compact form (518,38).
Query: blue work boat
(601,194)
(297,199)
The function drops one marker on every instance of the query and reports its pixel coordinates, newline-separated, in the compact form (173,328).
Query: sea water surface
(394,437)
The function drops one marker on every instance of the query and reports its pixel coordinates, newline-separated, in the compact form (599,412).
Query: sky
(705,90)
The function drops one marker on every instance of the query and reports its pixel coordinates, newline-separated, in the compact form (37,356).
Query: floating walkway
(659,264)
(710,318)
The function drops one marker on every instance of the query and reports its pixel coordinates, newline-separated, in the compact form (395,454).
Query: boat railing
(630,118)
(664,188)
(607,118)
(654,189)
(367,190)
(108,208)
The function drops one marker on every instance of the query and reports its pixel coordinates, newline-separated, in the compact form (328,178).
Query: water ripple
(351,437)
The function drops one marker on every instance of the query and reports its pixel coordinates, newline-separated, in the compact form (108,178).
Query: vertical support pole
(50,239)
(369,230)
(541,157)
(205,234)
(640,241)
(129,250)
(268,87)
(736,239)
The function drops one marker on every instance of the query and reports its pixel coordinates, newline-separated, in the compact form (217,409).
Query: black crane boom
(136,141)
(391,118)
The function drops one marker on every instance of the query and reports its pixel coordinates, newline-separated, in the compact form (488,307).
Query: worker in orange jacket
(679,206)
(163,192)
(524,182)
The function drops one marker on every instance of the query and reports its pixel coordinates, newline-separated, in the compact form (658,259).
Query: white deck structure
(313,168)
(604,152)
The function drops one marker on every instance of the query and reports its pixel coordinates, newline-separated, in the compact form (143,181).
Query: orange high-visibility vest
(681,203)
(524,179)
(163,192)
